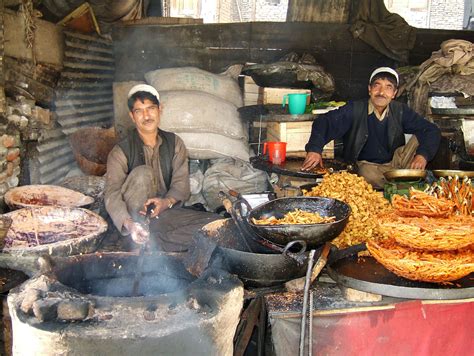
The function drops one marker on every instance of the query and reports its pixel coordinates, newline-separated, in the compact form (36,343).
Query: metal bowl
(313,234)
(405,175)
(438,173)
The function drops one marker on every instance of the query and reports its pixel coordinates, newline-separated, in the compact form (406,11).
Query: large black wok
(313,234)
(254,269)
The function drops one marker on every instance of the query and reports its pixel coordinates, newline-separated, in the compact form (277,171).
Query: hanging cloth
(388,33)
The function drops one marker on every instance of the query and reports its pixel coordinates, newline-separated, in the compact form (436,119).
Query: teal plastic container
(296,103)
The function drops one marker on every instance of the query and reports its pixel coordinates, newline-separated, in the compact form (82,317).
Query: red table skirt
(405,328)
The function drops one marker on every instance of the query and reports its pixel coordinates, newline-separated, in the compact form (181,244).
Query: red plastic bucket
(276,151)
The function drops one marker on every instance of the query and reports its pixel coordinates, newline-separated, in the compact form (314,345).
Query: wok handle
(238,207)
(302,243)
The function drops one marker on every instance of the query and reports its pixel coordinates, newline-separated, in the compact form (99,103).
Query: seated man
(373,132)
(149,168)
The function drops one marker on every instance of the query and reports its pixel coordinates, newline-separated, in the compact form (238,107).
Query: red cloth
(411,328)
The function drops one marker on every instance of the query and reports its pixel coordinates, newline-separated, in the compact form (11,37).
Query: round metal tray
(367,275)
(438,173)
(405,175)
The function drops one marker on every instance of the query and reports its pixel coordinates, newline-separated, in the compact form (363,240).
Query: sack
(191,78)
(193,111)
(211,145)
(225,174)
(122,121)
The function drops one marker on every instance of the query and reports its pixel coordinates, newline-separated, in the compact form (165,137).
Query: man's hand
(419,162)
(160,205)
(312,160)
(139,234)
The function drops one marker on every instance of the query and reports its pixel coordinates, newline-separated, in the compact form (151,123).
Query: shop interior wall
(213,47)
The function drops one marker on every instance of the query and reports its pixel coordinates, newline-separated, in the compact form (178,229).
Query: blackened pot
(313,234)
(253,269)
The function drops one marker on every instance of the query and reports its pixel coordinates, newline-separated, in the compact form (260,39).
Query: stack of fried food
(424,240)
(364,201)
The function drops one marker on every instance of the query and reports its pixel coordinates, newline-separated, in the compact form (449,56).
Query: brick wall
(10,146)
(446,14)
(435,14)
(271,10)
(252,10)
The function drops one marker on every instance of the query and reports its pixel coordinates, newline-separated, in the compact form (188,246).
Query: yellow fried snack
(364,201)
(297,216)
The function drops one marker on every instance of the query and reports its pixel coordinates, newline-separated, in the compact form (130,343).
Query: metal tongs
(141,254)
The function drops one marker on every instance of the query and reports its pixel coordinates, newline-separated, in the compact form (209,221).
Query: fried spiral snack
(297,216)
(364,201)
(426,266)
(422,204)
(434,234)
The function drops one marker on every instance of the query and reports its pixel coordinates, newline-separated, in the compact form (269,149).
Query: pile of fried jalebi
(297,216)
(422,204)
(364,201)
(427,266)
(425,240)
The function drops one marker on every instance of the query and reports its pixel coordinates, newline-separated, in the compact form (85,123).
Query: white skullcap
(384,70)
(146,88)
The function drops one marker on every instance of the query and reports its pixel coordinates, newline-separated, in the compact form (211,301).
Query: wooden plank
(162,21)
(209,35)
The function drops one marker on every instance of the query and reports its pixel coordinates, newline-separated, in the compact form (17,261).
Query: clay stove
(83,306)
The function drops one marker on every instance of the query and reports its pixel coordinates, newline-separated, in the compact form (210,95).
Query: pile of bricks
(24,122)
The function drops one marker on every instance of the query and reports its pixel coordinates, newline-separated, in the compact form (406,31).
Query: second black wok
(313,234)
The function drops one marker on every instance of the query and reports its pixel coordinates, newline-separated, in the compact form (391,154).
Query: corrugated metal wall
(84,94)
(83,98)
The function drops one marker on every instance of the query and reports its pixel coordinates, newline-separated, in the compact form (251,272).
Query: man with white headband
(148,171)
(373,132)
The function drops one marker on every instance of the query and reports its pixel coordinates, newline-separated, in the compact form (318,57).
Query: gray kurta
(116,181)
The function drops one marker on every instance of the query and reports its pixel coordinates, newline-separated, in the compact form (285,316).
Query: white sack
(122,121)
(191,78)
(225,174)
(193,111)
(211,145)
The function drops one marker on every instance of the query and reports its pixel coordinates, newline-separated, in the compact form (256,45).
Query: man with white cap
(148,171)
(373,132)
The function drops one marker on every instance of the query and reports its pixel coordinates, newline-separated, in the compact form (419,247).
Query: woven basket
(432,234)
(91,146)
(435,267)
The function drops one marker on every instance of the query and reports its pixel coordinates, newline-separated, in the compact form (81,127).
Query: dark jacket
(349,123)
(132,147)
